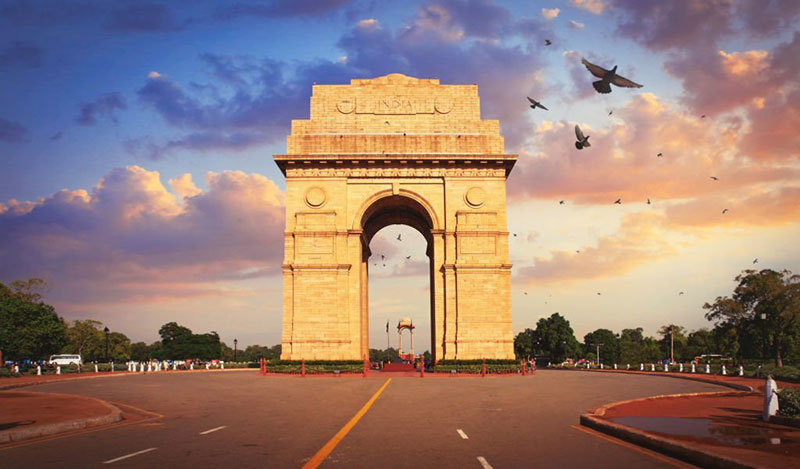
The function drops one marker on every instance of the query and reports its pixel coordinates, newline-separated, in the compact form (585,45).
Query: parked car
(65,360)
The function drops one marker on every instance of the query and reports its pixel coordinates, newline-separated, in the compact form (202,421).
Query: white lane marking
(129,455)
(212,430)
(461,432)
(484,463)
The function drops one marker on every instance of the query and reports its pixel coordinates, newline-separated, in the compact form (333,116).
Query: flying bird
(408,257)
(724,211)
(400,237)
(515,235)
(648,201)
(526,293)
(714,178)
(578,251)
(535,104)
(755,261)
(607,78)
(384,265)
(598,293)
(660,155)
(547,42)
(703,116)
(582,141)
(618,201)
(680,293)
(560,202)
(383,257)
(610,112)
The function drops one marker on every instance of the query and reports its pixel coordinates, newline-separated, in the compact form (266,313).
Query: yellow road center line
(323,453)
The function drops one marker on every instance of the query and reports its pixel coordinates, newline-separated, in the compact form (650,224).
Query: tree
(775,295)
(524,344)
(29,328)
(29,290)
(609,351)
(557,338)
(85,338)
(700,342)
(172,331)
(140,352)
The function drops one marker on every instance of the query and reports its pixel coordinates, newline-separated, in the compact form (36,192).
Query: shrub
(6,373)
(789,402)
(785,373)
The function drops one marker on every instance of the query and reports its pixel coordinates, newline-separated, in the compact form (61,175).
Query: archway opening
(397,242)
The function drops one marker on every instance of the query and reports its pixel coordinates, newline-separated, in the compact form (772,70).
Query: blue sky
(117,102)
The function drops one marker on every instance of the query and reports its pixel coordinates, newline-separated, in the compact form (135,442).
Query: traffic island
(722,429)
(27,415)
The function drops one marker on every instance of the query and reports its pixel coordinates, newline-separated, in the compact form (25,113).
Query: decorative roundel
(443,105)
(475,197)
(346,106)
(315,197)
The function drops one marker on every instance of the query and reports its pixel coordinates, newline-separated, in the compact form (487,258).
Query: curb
(35,431)
(689,377)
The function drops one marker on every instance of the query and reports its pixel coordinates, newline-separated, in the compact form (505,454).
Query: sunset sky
(136,143)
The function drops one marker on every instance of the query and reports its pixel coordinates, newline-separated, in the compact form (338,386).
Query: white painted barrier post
(615,366)
(191,366)
(770,399)
(223,365)
(16,369)
(628,366)
(38,370)
(741,370)
(723,370)
(174,366)
(601,366)
(149,367)
(652,367)
(95,368)
(208,365)
(141,367)
(112,367)
(708,368)
(641,366)
(693,367)
(666,367)
(58,370)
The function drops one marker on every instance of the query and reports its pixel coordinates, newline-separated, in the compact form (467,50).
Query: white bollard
(723,370)
(615,366)
(208,365)
(141,367)
(652,367)
(38,370)
(16,369)
(601,366)
(693,367)
(680,368)
(191,366)
(770,399)
(223,365)
(741,370)
(95,367)
(641,366)
(708,368)
(174,366)
(112,367)
(58,370)
(628,366)
(666,367)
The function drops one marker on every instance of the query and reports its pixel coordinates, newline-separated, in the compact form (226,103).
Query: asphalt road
(283,421)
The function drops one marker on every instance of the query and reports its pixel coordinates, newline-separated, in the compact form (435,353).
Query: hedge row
(789,402)
(476,368)
(478,362)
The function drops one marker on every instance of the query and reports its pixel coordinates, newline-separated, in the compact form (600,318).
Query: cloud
(773,133)
(640,239)
(21,54)
(592,6)
(278,8)
(622,161)
(106,105)
(550,14)
(11,132)
(142,17)
(575,24)
(745,208)
(131,240)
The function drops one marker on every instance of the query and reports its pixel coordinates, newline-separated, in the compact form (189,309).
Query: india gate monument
(386,151)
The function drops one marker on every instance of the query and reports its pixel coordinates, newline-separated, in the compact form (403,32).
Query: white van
(65,359)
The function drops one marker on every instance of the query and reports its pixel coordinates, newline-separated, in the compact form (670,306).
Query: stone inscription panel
(393,105)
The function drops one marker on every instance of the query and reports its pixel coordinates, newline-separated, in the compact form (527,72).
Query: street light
(235,344)
(671,346)
(106,331)
(764,333)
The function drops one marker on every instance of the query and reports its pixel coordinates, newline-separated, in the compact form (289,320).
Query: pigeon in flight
(408,257)
(526,293)
(598,293)
(610,112)
(560,202)
(400,237)
(535,104)
(703,116)
(383,257)
(607,77)
(724,211)
(582,141)
(714,178)
(680,293)
(648,201)
(515,235)
(618,201)
(578,251)
(660,155)
(547,42)
(755,261)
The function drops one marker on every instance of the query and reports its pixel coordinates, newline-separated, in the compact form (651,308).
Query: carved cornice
(396,172)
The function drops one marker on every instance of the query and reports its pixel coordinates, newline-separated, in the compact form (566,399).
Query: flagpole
(387,334)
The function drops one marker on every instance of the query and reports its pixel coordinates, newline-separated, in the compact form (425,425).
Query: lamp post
(671,346)
(106,331)
(764,333)
(235,344)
